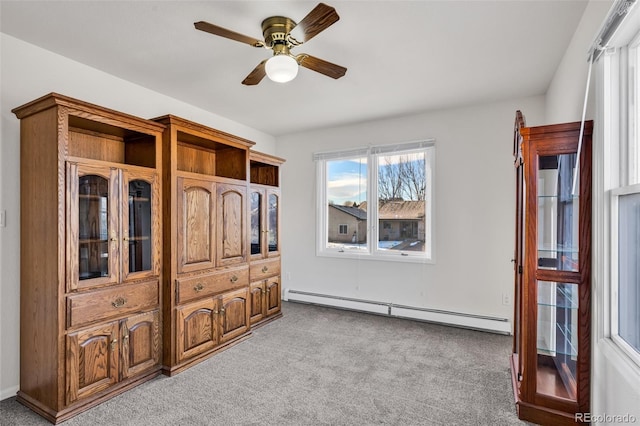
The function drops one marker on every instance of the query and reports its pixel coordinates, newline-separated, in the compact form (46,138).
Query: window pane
(557,213)
(401,202)
(346,196)
(629,269)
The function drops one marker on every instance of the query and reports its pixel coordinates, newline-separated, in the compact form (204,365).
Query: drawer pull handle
(113,344)
(222,310)
(265,269)
(234,279)
(198,288)
(119,302)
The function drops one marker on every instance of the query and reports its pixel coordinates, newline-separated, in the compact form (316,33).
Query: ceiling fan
(281,34)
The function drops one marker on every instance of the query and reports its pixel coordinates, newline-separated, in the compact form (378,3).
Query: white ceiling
(402,56)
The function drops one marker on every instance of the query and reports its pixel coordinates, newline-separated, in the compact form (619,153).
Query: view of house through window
(378,201)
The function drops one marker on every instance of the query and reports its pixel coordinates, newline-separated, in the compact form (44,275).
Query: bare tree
(402,178)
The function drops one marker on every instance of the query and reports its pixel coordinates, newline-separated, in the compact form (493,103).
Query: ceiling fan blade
(318,20)
(256,75)
(223,32)
(321,66)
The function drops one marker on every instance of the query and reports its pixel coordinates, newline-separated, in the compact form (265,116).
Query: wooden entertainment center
(146,247)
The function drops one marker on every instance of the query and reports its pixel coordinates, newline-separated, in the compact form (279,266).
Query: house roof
(401,210)
(388,210)
(353,211)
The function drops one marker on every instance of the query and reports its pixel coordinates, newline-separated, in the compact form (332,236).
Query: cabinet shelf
(556,196)
(93,197)
(132,240)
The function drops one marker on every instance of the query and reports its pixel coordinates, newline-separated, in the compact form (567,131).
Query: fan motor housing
(275,30)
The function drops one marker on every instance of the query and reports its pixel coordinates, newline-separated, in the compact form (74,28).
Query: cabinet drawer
(205,285)
(261,270)
(101,304)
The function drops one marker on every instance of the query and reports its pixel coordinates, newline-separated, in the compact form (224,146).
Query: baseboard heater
(457,319)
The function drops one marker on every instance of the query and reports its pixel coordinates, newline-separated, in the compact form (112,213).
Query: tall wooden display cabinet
(90,244)
(552,322)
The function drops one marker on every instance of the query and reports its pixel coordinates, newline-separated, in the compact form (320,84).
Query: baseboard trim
(450,318)
(9,392)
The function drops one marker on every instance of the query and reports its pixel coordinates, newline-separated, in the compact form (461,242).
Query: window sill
(384,258)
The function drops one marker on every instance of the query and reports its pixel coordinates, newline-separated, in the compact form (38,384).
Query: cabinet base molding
(266,321)
(56,417)
(172,371)
(544,415)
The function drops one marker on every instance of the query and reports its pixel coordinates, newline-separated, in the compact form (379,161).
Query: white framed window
(342,229)
(385,195)
(625,274)
(622,138)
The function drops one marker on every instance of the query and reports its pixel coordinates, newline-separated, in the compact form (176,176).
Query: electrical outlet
(506,299)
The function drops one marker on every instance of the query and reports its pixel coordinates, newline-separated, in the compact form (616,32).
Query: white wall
(615,385)
(28,72)
(566,93)
(474,205)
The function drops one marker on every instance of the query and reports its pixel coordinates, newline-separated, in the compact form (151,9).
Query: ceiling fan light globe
(281,68)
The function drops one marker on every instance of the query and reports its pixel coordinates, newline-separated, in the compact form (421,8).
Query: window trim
(372,153)
(617,174)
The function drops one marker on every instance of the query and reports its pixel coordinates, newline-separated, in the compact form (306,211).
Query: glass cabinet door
(557,213)
(558,260)
(272,222)
(139,233)
(92,226)
(256,231)
(557,339)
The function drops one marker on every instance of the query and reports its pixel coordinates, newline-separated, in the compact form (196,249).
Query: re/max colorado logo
(605,418)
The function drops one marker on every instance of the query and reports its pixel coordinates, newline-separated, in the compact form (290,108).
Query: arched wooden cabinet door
(196,225)
(197,328)
(257,303)
(140,337)
(273,301)
(231,230)
(234,314)
(92,361)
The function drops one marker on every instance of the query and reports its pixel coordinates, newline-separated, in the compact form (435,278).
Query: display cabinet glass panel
(557,339)
(93,227)
(558,214)
(256,222)
(272,214)
(140,234)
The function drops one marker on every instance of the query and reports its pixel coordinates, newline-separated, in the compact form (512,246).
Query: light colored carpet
(323,366)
